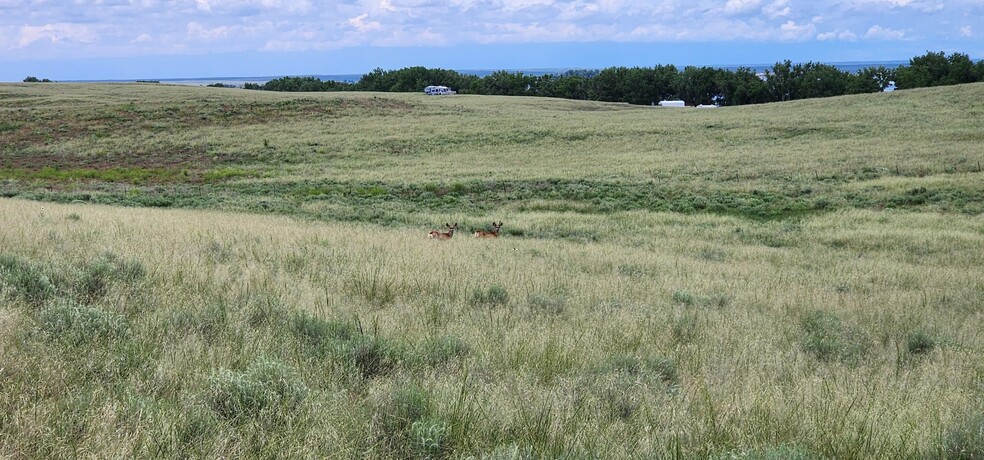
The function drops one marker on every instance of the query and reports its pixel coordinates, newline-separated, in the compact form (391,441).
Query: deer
(438,235)
(492,234)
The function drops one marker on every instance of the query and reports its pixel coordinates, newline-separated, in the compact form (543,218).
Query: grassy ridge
(171,333)
(407,154)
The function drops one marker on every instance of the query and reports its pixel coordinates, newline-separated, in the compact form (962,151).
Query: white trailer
(435,90)
(676,103)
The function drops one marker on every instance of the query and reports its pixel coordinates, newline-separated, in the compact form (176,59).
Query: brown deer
(443,235)
(493,234)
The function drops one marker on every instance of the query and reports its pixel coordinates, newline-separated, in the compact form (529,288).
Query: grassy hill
(796,280)
(388,158)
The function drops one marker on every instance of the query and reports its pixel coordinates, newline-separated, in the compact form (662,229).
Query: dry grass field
(801,280)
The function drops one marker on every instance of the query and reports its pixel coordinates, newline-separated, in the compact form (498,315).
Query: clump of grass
(438,350)
(267,389)
(29,282)
(321,333)
(828,339)
(548,304)
(346,343)
(73,324)
(210,322)
(684,297)
(73,217)
(718,300)
(632,270)
(95,277)
(685,329)
(508,452)
(269,312)
(372,356)
(782,452)
(920,342)
(493,296)
(626,380)
(407,424)
(964,439)
(372,285)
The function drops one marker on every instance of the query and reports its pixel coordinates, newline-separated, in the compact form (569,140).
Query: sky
(152,39)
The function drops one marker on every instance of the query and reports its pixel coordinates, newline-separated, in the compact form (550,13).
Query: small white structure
(707,106)
(676,103)
(434,90)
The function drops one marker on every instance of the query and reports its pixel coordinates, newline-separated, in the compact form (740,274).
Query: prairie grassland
(795,280)
(335,156)
(173,333)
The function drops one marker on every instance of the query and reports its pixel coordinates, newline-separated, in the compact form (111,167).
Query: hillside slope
(389,158)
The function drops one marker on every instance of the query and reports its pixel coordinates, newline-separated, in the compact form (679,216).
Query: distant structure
(434,90)
(676,103)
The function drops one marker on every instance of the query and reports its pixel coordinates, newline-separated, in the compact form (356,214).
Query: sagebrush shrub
(266,388)
(75,324)
(29,282)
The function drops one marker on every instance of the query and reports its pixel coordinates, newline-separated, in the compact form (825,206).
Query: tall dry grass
(187,333)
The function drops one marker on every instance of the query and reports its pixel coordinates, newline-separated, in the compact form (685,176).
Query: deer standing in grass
(443,235)
(492,234)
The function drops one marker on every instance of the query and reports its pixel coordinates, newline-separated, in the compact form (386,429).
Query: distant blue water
(351,78)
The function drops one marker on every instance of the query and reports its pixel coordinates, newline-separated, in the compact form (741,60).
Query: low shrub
(75,325)
(266,389)
(346,343)
(828,339)
(29,282)
(407,424)
(551,305)
(493,296)
(95,277)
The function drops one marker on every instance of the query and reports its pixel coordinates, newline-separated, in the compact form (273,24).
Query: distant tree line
(784,81)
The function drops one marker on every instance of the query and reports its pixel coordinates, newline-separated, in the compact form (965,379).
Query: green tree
(870,80)
(814,79)
(936,69)
(699,85)
(743,86)
(780,82)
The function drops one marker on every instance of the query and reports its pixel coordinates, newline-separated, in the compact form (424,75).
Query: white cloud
(925,6)
(109,27)
(838,35)
(360,24)
(877,32)
(199,31)
(777,9)
(56,33)
(732,7)
(791,31)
